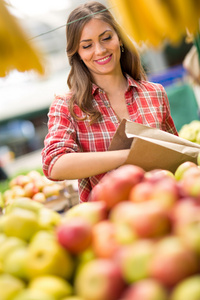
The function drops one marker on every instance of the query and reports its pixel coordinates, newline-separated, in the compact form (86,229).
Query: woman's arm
(82,165)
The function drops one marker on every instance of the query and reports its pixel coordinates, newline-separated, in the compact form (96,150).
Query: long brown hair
(79,79)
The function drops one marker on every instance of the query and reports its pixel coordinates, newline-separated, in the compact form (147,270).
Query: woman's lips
(104,60)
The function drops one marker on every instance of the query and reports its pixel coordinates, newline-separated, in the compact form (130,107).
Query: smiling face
(99,48)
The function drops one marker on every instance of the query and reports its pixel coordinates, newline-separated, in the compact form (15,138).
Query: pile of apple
(31,185)
(138,238)
(191,131)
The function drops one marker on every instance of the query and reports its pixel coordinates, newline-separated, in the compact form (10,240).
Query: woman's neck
(110,83)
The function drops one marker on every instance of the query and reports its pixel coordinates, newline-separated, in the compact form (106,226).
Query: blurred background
(25,97)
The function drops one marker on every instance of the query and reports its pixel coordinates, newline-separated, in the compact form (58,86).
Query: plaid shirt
(147,103)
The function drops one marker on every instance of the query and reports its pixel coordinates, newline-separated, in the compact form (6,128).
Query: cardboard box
(152,148)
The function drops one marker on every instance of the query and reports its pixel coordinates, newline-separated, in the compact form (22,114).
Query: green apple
(52,285)
(73,298)
(9,245)
(26,203)
(21,223)
(46,256)
(187,289)
(2,237)
(134,260)
(31,294)
(182,168)
(48,218)
(10,286)
(15,262)
(93,212)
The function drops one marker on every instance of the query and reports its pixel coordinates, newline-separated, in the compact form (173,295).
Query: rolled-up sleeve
(61,137)
(169,125)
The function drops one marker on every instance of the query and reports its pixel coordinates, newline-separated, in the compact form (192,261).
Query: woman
(107,84)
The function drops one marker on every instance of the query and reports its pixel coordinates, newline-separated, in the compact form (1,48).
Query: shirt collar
(131,83)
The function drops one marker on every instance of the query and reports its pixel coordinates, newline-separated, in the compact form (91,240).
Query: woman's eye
(86,46)
(107,38)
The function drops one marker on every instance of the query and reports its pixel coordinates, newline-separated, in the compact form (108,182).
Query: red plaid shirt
(147,103)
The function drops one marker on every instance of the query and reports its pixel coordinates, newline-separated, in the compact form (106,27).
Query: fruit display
(138,237)
(191,131)
(34,185)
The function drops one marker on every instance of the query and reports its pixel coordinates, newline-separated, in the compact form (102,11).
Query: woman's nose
(99,48)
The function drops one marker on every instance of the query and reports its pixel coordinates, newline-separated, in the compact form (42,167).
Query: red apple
(161,189)
(93,212)
(75,235)
(146,289)
(99,279)
(104,242)
(147,219)
(172,261)
(115,186)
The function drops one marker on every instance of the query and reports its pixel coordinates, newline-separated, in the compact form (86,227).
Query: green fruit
(48,218)
(10,286)
(21,223)
(46,256)
(15,262)
(29,294)
(52,285)
(25,203)
(9,245)
(188,289)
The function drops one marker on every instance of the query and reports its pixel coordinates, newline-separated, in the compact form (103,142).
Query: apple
(146,289)
(99,279)
(9,245)
(134,260)
(52,190)
(172,261)
(39,197)
(54,286)
(104,243)
(8,197)
(161,188)
(147,219)
(190,182)
(75,234)
(115,186)
(93,212)
(30,189)
(21,223)
(184,211)
(124,234)
(18,191)
(31,294)
(182,168)
(46,256)
(10,286)
(48,219)
(26,203)
(73,298)
(21,180)
(141,192)
(188,288)
(15,262)
(34,175)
